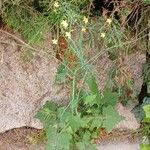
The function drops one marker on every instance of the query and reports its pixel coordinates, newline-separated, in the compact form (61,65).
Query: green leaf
(48,107)
(52,138)
(91,81)
(148,86)
(57,141)
(64,140)
(144,147)
(90,99)
(97,122)
(112,118)
(47,114)
(75,122)
(147,1)
(146,120)
(80,145)
(64,115)
(61,74)
(86,136)
(147,111)
(69,130)
(109,98)
(74,103)
(86,142)
(95,134)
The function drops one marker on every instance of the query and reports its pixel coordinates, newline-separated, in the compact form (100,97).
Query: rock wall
(24,86)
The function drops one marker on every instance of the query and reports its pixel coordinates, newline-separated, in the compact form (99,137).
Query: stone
(129,121)
(121,145)
(133,62)
(25,86)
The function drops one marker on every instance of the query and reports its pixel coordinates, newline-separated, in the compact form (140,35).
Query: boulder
(129,121)
(133,63)
(25,85)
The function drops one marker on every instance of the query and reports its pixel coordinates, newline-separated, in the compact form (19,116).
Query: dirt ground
(17,139)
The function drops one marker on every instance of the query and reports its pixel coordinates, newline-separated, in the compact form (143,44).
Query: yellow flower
(85,20)
(55,41)
(64,24)
(103,35)
(56,5)
(68,35)
(109,21)
(72,30)
(83,29)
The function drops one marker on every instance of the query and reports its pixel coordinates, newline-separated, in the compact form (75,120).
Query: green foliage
(147,1)
(31,25)
(147,111)
(48,114)
(61,74)
(146,72)
(57,141)
(109,98)
(75,127)
(146,128)
(111,118)
(139,111)
(145,147)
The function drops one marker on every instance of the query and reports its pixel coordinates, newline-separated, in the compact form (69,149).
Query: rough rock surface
(134,63)
(129,121)
(123,145)
(24,86)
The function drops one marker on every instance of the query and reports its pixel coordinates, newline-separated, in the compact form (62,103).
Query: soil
(18,139)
